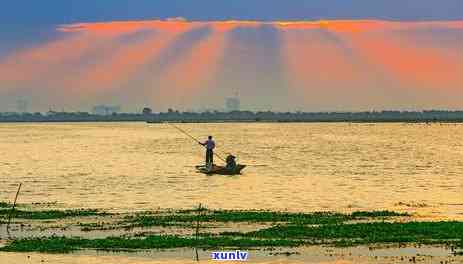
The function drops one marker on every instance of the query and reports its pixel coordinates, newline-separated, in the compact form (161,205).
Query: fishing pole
(197,141)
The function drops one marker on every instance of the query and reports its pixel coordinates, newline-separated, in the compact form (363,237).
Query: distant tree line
(148,115)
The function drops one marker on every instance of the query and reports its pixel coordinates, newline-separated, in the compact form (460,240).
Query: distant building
(105,109)
(147,111)
(232,104)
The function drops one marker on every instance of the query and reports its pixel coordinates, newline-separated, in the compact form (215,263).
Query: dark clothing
(210,145)
(209,157)
(231,163)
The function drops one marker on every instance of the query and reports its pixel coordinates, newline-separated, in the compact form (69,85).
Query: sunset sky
(307,55)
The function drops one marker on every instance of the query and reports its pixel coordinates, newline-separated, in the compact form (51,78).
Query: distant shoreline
(434,116)
(410,121)
(234,121)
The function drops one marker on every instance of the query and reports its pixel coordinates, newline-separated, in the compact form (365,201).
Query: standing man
(210,145)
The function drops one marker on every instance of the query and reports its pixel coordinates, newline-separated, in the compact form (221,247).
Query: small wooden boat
(221,170)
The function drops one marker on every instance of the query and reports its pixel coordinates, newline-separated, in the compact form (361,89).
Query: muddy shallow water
(313,254)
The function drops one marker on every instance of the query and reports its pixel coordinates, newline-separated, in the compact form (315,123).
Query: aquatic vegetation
(63,245)
(460,245)
(385,213)
(287,229)
(158,220)
(186,217)
(5,205)
(49,214)
(285,236)
(87,227)
(268,216)
(365,233)
(224,216)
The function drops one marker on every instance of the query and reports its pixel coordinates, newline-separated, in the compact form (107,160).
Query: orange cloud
(89,56)
(57,64)
(128,59)
(314,62)
(377,44)
(119,27)
(198,67)
(95,58)
(410,62)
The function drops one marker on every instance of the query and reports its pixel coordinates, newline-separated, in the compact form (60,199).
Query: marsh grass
(287,230)
(64,245)
(88,227)
(460,245)
(373,214)
(48,214)
(366,233)
(344,235)
(186,217)
(5,205)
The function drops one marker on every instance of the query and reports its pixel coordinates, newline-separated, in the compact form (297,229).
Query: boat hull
(220,170)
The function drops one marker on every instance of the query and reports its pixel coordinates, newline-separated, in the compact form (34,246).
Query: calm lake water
(295,167)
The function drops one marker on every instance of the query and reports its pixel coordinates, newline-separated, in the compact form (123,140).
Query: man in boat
(210,145)
(231,163)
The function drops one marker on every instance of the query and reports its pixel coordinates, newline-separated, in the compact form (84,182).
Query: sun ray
(412,64)
(170,61)
(314,62)
(197,68)
(129,58)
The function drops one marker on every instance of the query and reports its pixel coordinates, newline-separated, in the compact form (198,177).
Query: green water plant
(48,214)
(365,233)
(286,229)
(374,214)
(5,205)
(64,245)
(224,216)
